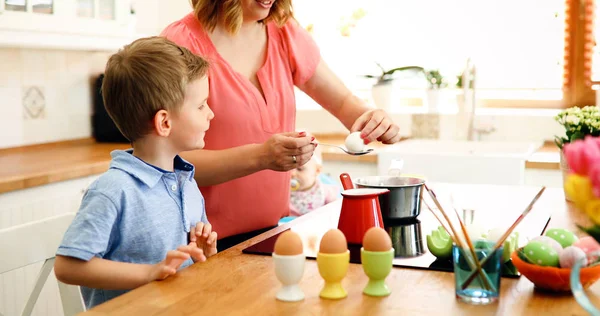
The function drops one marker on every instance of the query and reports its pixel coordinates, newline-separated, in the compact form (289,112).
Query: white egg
(475,230)
(354,143)
(495,233)
(570,255)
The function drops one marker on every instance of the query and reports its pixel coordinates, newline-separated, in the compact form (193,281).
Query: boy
(144,218)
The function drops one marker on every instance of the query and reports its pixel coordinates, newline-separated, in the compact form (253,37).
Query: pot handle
(346,181)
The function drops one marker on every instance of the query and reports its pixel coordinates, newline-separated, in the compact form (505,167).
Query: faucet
(468,82)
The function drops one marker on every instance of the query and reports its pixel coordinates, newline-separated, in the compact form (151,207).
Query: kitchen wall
(45,95)
(508,124)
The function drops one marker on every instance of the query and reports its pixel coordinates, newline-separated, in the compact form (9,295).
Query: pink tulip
(594,176)
(573,154)
(582,155)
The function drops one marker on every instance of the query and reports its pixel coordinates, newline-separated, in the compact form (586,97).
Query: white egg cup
(289,271)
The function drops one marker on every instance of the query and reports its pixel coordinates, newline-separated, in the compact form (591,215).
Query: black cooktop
(408,238)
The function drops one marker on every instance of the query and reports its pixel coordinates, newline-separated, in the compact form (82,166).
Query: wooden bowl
(552,278)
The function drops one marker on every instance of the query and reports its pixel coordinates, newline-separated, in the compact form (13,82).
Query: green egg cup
(377,266)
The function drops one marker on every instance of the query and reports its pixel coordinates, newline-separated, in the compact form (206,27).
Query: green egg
(541,254)
(564,237)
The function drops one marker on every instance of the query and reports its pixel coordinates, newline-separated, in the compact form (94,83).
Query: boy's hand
(169,266)
(204,238)
(196,252)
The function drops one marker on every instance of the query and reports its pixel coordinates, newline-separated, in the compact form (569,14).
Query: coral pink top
(243,116)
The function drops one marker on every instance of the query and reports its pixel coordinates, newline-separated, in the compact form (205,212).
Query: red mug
(360,211)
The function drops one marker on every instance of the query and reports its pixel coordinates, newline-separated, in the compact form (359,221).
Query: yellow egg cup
(333,269)
(377,266)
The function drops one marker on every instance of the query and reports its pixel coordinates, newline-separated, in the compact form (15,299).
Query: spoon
(359,153)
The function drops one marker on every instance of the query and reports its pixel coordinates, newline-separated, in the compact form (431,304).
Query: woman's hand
(377,125)
(286,151)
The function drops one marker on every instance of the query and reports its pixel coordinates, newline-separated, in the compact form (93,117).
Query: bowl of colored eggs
(547,260)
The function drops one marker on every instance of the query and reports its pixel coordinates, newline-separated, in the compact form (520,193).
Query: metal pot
(403,201)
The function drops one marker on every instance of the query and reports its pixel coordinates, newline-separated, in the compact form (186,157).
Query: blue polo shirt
(135,213)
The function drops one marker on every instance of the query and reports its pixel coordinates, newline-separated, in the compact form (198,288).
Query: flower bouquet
(578,123)
(582,185)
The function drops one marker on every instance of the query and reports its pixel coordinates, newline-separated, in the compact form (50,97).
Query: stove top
(408,237)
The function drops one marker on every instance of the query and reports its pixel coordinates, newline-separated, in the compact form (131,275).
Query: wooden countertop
(242,284)
(30,166)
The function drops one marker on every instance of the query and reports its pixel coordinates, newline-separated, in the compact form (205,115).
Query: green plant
(459,79)
(578,123)
(435,80)
(388,75)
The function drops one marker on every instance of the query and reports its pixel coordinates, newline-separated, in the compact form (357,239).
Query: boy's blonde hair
(210,12)
(146,76)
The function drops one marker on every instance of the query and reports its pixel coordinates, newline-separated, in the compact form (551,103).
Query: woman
(258,53)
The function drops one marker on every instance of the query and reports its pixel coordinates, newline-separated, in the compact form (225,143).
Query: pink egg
(588,244)
(570,255)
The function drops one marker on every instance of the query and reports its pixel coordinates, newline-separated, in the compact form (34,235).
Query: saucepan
(404,200)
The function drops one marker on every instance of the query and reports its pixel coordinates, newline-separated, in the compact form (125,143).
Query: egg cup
(289,271)
(333,268)
(377,266)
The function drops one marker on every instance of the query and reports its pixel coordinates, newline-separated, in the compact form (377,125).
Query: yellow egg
(377,239)
(333,241)
(288,244)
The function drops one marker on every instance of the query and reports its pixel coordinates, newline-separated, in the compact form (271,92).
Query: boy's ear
(162,123)
(319,168)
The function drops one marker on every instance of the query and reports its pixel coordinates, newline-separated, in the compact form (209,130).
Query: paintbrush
(440,221)
(484,275)
(503,238)
(474,263)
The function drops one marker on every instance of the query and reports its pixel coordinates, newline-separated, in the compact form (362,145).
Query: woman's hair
(209,12)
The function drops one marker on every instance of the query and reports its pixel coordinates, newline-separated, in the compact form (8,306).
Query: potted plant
(435,84)
(460,95)
(578,123)
(382,90)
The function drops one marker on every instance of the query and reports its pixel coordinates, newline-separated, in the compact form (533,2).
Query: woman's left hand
(377,125)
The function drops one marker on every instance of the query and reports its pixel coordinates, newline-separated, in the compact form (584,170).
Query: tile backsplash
(45,95)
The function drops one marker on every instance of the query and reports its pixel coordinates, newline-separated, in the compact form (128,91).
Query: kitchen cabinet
(66,24)
(23,206)
(27,205)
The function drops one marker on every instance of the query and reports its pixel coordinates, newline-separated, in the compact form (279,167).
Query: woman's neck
(248,29)
(155,152)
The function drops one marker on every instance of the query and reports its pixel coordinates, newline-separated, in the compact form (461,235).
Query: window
(106,9)
(85,8)
(16,5)
(517,46)
(37,6)
(42,6)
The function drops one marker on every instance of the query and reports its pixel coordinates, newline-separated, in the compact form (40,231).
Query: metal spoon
(360,153)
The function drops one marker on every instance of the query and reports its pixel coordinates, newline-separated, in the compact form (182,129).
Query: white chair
(34,242)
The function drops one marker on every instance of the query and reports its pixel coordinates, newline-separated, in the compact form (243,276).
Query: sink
(453,161)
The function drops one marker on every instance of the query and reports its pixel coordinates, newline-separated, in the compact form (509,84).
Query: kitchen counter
(232,282)
(30,166)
